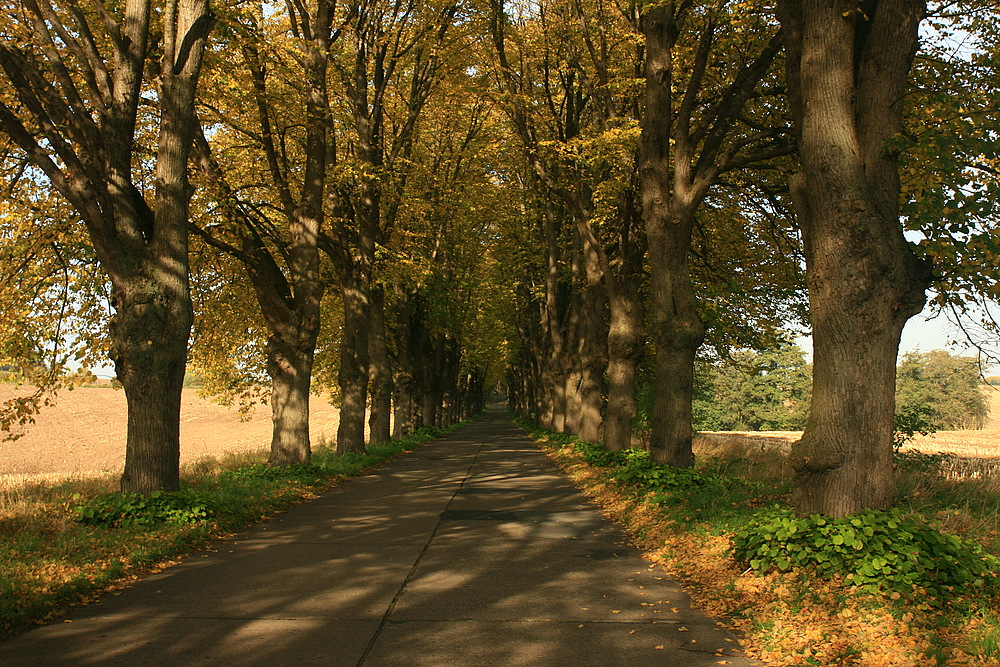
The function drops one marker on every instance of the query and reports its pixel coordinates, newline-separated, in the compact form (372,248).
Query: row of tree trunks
(427,386)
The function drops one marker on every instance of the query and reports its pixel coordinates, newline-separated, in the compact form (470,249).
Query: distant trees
(753,391)
(947,386)
(769,390)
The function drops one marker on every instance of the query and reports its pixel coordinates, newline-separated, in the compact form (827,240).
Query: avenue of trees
(400,205)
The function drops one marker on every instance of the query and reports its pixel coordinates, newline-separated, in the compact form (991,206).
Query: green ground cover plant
(64,543)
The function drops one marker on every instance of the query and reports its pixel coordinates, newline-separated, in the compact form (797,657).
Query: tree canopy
(405,206)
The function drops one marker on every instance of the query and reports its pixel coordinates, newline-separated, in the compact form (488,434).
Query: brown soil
(85,431)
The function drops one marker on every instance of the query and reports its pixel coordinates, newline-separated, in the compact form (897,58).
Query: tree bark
(379,372)
(290,369)
(353,376)
(626,324)
(624,342)
(404,383)
(592,345)
(675,329)
(847,72)
(149,333)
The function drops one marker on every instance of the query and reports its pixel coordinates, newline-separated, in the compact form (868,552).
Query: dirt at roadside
(85,431)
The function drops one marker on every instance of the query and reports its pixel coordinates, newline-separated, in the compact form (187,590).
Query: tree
(390,48)
(53,296)
(80,77)
(691,135)
(754,391)
(947,386)
(950,165)
(280,257)
(847,68)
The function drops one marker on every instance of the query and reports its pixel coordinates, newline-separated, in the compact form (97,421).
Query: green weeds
(877,551)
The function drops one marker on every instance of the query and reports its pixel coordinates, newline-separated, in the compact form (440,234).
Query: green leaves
(114,510)
(937,389)
(877,551)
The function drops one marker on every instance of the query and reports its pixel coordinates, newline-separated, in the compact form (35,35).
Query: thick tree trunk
(847,75)
(403,411)
(149,333)
(379,372)
(677,332)
(555,370)
(290,369)
(669,200)
(353,375)
(592,346)
(623,361)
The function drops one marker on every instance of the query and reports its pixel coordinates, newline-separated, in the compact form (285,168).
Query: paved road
(473,550)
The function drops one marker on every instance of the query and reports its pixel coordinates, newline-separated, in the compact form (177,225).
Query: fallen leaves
(788,620)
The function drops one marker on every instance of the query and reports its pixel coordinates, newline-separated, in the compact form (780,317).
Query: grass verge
(53,555)
(692,522)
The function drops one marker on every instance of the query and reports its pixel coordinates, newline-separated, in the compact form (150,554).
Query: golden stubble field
(981,444)
(84,432)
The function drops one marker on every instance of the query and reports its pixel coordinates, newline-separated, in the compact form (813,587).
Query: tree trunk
(154,313)
(676,331)
(623,360)
(668,203)
(592,345)
(149,333)
(290,369)
(847,76)
(379,372)
(403,412)
(353,376)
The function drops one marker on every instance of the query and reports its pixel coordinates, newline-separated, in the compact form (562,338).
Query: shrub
(636,469)
(119,510)
(873,550)
(595,454)
(947,385)
(908,421)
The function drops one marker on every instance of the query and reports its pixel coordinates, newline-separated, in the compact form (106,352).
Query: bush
(873,550)
(595,454)
(908,421)
(635,469)
(121,510)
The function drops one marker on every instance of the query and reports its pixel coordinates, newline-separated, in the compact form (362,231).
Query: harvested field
(84,432)
(974,453)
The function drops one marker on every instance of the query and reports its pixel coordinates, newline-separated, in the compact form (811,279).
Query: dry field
(974,453)
(84,432)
